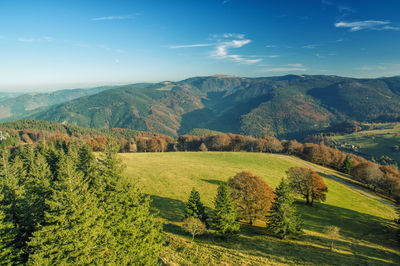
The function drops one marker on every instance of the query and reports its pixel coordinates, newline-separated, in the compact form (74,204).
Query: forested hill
(14,106)
(287,107)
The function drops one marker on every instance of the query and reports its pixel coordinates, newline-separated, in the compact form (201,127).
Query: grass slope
(366,233)
(375,142)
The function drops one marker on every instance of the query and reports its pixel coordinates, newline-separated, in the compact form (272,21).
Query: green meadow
(367,233)
(379,140)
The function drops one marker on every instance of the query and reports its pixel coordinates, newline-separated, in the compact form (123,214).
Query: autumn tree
(284,220)
(194,207)
(224,217)
(307,183)
(252,196)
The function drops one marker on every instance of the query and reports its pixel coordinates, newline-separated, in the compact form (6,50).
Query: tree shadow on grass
(360,231)
(213,181)
(352,224)
(169,209)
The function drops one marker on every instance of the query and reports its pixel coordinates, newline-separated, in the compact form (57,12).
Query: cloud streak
(366,25)
(224,43)
(121,17)
(191,45)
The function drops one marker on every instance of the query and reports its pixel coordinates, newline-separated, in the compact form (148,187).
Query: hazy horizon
(55,45)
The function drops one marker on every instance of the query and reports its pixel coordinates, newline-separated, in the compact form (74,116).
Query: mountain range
(289,106)
(14,106)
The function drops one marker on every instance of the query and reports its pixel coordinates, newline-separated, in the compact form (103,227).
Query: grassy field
(377,141)
(367,234)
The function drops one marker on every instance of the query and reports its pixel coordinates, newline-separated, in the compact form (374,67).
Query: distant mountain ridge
(16,106)
(287,106)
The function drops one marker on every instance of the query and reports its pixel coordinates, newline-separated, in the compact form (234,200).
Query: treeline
(381,178)
(61,205)
(384,179)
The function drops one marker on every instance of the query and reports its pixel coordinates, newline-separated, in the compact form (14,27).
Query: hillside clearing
(367,234)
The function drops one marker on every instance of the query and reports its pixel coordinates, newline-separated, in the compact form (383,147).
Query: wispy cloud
(42,39)
(227,36)
(120,17)
(311,46)
(191,45)
(366,25)
(221,51)
(273,56)
(109,49)
(223,44)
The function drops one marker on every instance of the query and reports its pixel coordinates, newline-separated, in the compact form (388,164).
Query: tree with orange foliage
(252,196)
(307,183)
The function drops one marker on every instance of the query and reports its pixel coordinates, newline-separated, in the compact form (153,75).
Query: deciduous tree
(252,196)
(308,183)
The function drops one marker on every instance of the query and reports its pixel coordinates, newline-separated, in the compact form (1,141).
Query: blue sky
(56,44)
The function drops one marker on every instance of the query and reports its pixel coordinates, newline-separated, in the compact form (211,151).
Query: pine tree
(224,219)
(194,207)
(13,210)
(87,163)
(8,234)
(347,166)
(72,226)
(131,233)
(284,220)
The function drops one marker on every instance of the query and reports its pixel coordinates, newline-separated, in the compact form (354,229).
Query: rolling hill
(287,107)
(366,233)
(13,106)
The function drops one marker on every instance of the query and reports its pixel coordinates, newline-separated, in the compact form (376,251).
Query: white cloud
(43,39)
(295,65)
(366,24)
(191,45)
(311,46)
(273,56)
(270,46)
(109,49)
(228,36)
(222,46)
(221,51)
(121,17)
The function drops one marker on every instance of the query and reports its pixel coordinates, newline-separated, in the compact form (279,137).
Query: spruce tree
(72,226)
(284,220)
(194,207)
(14,213)
(347,166)
(8,234)
(132,235)
(224,219)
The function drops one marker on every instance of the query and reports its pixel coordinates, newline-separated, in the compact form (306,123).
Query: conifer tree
(87,163)
(8,234)
(13,210)
(131,233)
(72,226)
(224,219)
(283,220)
(347,166)
(194,207)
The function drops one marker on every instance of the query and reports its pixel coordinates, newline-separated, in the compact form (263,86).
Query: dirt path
(340,180)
